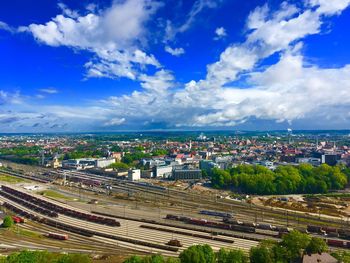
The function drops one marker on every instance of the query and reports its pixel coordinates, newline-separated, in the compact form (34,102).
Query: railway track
(241,210)
(148,236)
(191,201)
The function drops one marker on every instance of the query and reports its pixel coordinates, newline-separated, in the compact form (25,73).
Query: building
(223,162)
(146,174)
(319,258)
(117,156)
(311,160)
(152,162)
(104,162)
(134,175)
(207,165)
(55,163)
(72,164)
(87,163)
(164,171)
(187,174)
(330,159)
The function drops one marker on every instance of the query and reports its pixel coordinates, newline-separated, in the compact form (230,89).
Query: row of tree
(256,179)
(44,257)
(292,247)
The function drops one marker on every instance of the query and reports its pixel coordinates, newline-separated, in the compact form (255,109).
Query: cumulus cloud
(286,91)
(174,51)
(329,7)
(290,90)
(220,32)
(113,35)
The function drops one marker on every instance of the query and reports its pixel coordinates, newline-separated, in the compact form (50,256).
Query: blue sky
(194,64)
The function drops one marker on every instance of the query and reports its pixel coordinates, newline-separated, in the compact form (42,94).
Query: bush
(8,222)
(316,245)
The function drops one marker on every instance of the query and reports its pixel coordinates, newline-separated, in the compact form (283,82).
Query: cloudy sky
(109,65)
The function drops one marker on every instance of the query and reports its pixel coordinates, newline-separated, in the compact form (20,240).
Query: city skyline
(177,65)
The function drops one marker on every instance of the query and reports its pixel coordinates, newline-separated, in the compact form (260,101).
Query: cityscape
(164,131)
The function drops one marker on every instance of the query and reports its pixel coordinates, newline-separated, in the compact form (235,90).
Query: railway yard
(108,216)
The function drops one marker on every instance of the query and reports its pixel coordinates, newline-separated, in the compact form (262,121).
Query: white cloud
(7,97)
(288,91)
(329,7)
(174,51)
(6,27)
(49,90)
(162,80)
(68,12)
(268,32)
(220,32)
(115,122)
(113,35)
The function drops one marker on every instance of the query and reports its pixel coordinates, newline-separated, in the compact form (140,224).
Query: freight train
(85,232)
(204,222)
(18,220)
(50,209)
(232,224)
(329,231)
(58,236)
(215,213)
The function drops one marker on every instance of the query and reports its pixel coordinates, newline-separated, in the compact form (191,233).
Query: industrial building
(164,171)
(87,163)
(187,174)
(134,174)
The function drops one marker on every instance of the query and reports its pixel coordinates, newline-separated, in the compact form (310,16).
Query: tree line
(304,178)
(44,257)
(291,248)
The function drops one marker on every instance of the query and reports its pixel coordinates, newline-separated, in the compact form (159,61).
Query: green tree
(154,259)
(133,259)
(260,254)
(208,253)
(7,222)
(73,258)
(119,166)
(30,257)
(197,254)
(295,242)
(342,256)
(231,256)
(316,245)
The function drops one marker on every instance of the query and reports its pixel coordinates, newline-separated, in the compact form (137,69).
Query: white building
(313,161)
(86,163)
(104,162)
(162,171)
(134,175)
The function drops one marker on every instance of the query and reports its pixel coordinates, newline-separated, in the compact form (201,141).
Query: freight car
(232,221)
(204,222)
(174,243)
(265,226)
(315,229)
(338,243)
(51,209)
(343,233)
(58,236)
(17,219)
(215,213)
(283,229)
